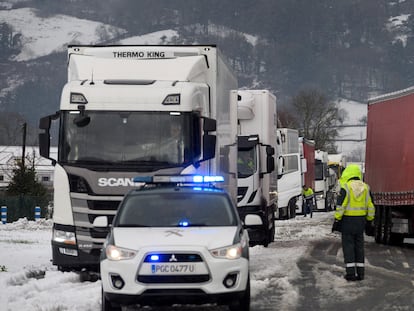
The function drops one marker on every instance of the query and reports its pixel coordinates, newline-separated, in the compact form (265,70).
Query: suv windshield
(176,210)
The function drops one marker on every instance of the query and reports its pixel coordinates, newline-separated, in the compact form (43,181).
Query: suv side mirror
(100,222)
(253,220)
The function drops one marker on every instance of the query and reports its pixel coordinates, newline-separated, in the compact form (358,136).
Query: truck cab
(289,183)
(257,164)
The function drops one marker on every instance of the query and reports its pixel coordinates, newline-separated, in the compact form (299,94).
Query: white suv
(174,243)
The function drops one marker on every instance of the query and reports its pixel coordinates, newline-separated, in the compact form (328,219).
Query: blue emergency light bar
(185,179)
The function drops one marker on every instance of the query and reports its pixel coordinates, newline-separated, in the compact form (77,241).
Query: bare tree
(317,118)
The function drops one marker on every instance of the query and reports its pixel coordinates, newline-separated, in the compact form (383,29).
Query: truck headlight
(228,252)
(118,253)
(65,237)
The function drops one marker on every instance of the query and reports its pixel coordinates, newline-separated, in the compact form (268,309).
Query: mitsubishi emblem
(172,258)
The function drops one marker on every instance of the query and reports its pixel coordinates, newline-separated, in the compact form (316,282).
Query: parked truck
(325,182)
(129,111)
(337,162)
(289,183)
(257,162)
(389,165)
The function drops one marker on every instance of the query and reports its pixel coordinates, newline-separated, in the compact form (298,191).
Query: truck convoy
(325,182)
(129,111)
(289,184)
(257,170)
(389,165)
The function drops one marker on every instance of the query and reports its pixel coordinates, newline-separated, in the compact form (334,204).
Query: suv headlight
(118,253)
(228,252)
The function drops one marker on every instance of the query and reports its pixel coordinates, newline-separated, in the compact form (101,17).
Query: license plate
(173,268)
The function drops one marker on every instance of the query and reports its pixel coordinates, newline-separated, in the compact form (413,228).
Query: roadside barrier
(4,214)
(37,214)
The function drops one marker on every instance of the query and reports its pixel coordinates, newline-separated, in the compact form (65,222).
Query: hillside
(347,49)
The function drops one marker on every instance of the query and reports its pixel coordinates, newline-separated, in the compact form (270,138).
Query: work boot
(350,277)
(360,273)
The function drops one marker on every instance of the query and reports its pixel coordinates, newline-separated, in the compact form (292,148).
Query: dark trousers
(353,245)
(308,207)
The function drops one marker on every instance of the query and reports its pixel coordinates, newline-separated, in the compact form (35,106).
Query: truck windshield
(153,139)
(176,210)
(246,162)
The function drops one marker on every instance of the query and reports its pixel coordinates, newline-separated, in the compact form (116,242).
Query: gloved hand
(337,226)
(369,228)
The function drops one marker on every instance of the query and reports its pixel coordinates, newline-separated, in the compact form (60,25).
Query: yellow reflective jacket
(308,193)
(357,201)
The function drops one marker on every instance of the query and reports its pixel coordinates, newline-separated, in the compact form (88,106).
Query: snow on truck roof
(391,95)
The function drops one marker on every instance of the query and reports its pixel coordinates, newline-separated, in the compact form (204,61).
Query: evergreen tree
(24,182)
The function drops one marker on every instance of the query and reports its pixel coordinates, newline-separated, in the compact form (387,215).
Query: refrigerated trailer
(130,111)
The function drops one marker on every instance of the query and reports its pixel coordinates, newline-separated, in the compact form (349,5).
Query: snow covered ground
(29,281)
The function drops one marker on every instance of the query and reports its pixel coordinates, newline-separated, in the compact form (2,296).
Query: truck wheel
(291,209)
(396,239)
(387,225)
(107,306)
(378,225)
(242,304)
(273,230)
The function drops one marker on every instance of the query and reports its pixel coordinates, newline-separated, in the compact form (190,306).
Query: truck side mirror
(44,138)
(44,144)
(209,146)
(270,164)
(209,125)
(270,150)
(44,123)
(270,160)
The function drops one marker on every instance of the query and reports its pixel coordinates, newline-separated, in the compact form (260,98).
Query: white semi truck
(325,182)
(290,182)
(257,164)
(127,111)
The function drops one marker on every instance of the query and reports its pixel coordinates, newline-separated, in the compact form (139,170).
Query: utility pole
(24,145)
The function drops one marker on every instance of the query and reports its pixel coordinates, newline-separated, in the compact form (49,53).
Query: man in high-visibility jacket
(354,213)
(308,200)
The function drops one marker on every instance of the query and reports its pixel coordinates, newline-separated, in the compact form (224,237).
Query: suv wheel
(243,304)
(107,306)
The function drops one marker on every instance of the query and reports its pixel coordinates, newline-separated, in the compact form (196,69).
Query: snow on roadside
(31,282)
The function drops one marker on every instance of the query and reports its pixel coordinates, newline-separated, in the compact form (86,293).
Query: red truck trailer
(309,155)
(389,165)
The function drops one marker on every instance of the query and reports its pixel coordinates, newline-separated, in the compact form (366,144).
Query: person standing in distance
(355,212)
(309,200)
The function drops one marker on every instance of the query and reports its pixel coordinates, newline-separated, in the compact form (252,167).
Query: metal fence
(22,206)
